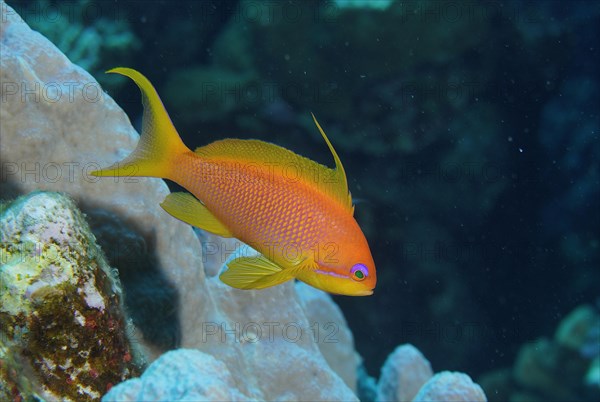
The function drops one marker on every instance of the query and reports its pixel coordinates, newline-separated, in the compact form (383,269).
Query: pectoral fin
(189,209)
(256,272)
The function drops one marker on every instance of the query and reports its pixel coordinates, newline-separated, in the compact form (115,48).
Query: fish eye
(359,272)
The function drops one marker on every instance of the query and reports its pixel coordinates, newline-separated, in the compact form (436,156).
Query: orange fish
(295,212)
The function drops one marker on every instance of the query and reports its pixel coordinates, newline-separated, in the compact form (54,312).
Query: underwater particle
(64,331)
(450,387)
(403,373)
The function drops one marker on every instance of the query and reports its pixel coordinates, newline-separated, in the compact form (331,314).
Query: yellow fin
(341,182)
(256,272)
(159,143)
(273,159)
(187,208)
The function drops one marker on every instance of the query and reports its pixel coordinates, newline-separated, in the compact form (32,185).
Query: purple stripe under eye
(330,273)
(360,267)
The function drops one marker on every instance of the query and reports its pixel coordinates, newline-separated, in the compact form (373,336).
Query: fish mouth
(363,293)
(367,292)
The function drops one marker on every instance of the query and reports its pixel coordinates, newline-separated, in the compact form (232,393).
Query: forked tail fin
(159,144)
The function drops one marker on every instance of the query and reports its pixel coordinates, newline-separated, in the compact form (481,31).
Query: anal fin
(256,272)
(189,209)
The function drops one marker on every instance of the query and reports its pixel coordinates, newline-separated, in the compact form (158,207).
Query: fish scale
(276,216)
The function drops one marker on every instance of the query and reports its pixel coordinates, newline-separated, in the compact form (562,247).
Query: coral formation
(450,387)
(564,368)
(335,341)
(181,375)
(57,125)
(61,316)
(403,374)
(92,35)
(407,376)
(151,298)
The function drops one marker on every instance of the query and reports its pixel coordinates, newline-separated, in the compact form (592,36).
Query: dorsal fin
(273,159)
(339,174)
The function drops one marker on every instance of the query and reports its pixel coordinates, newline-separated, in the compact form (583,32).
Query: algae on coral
(64,329)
